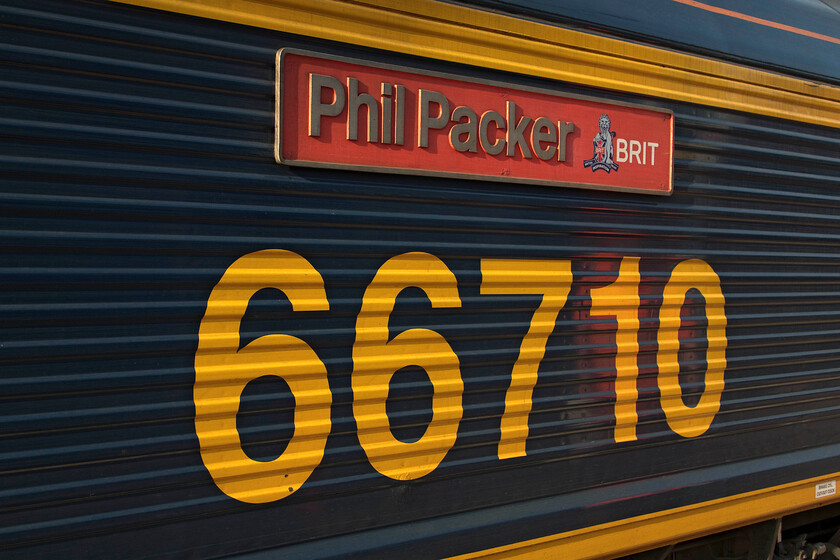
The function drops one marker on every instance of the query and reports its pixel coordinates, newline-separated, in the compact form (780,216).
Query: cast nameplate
(353,114)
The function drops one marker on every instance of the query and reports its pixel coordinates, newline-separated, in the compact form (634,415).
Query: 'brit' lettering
(635,151)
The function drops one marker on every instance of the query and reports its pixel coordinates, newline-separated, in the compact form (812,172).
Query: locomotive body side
(361,279)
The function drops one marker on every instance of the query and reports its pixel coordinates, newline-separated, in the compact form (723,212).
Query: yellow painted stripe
(466,35)
(646,532)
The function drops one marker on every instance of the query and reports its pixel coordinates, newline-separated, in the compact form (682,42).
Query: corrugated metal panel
(137,165)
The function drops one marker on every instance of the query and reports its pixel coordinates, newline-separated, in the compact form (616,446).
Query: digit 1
(621,300)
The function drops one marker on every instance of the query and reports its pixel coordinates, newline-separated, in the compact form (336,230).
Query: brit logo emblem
(602,148)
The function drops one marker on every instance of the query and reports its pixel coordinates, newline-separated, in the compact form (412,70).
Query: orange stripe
(765,22)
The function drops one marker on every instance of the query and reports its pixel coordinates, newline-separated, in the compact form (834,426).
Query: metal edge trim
(278,107)
(491,178)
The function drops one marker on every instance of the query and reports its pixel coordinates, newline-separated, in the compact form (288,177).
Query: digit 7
(552,280)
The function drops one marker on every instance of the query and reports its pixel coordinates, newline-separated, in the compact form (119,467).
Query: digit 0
(686,420)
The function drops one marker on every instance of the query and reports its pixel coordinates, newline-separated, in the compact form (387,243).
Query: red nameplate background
(641,137)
